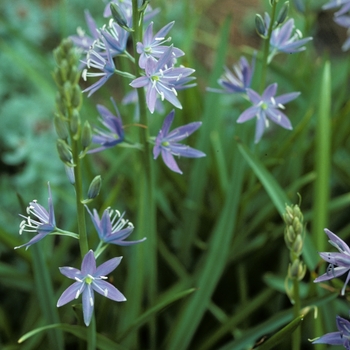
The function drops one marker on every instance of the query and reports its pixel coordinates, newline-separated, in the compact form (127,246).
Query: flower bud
(95,187)
(61,128)
(86,135)
(67,92)
(74,124)
(61,107)
(58,77)
(299,5)
(70,173)
(76,98)
(282,15)
(298,245)
(64,151)
(63,68)
(67,45)
(74,75)
(58,55)
(260,26)
(118,16)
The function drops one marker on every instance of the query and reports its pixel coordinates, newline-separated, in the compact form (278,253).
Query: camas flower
(44,223)
(266,107)
(152,46)
(112,227)
(98,61)
(239,79)
(163,79)
(88,280)
(115,133)
(167,143)
(340,260)
(342,337)
(282,39)
(115,38)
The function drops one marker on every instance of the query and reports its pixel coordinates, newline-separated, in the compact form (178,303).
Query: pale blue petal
(108,290)
(286,97)
(332,273)
(70,272)
(248,114)
(333,338)
(185,151)
(279,118)
(69,294)
(269,92)
(260,127)
(107,267)
(140,82)
(170,162)
(88,304)
(88,266)
(337,242)
(182,132)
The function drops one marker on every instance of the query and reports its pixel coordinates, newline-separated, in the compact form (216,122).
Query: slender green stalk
(296,336)
(83,243)
(322,161)
(322,169)
(142,263)
(91,334)
(267,49)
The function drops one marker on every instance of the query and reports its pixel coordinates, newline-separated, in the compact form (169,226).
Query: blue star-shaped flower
(44,225)
(103,62)
(283,40)
(340,260)
(112,227)
(239,79)
(342,337)
(267,107)
(152,46)
(163,79)
(115,133)
(88,280)
(167,143)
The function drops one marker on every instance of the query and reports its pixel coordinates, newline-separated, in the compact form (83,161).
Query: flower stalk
(267,48)
(294,238)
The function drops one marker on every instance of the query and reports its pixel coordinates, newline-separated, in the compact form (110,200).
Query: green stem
(143,262)
(91,340)
(83,243)
(296,337)
(267,49)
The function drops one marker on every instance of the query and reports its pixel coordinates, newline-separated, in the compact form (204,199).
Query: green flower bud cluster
(294,238)
(68,103)
(293,233)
